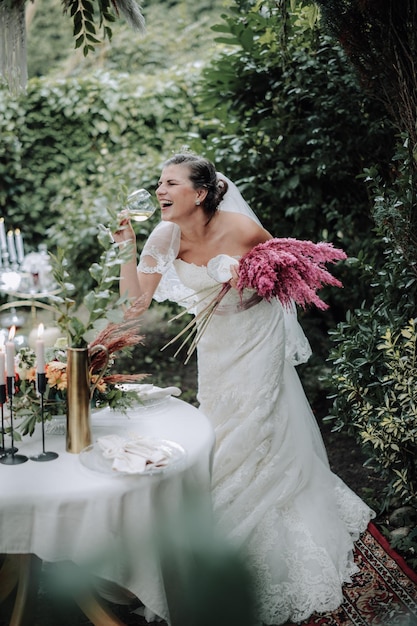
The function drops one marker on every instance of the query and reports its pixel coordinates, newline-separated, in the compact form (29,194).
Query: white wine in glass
(139,205)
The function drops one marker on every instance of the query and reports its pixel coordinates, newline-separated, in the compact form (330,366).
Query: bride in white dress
(274,495)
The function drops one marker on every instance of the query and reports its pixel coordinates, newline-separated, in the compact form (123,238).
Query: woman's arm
(133,283)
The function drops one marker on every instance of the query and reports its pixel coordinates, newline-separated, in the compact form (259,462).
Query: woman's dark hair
(202,175)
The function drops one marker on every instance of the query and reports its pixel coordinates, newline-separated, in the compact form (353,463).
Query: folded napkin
(147,392)
(150,392)
(133,456)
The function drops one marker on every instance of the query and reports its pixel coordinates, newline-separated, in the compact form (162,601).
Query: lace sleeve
(158,256)
(160,249)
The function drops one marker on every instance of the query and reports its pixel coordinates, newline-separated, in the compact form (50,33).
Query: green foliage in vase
(100,306)
(101,319)
(30,409)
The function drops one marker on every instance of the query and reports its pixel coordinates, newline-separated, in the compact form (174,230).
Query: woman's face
(176,194)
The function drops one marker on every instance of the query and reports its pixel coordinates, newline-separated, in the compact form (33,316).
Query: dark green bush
(374,373)
(292,126)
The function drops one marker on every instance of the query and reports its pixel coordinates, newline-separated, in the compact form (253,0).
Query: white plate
(92,458)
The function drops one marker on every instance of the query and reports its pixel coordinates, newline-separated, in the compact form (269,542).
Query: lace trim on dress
(160,262)
(313,581)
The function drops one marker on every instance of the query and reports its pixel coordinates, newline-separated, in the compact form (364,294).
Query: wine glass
(139,205)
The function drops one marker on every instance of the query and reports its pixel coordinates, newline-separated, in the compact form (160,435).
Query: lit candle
(40,351)
(19,245)
(3,243)
(11,247)
(10,353)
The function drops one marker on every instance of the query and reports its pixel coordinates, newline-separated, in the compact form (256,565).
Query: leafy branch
(85,19)
(99,307)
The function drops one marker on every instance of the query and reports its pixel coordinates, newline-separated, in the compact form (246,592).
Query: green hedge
(70,150)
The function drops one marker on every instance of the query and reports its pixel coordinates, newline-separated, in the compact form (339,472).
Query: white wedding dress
(274,494)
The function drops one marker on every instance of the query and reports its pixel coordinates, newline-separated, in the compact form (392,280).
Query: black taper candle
(3,394)
(10,387)
(44,455)
(12,458)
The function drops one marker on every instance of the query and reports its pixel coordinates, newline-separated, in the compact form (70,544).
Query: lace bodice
(197,281)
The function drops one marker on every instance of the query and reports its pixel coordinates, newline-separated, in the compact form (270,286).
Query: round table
(110,525)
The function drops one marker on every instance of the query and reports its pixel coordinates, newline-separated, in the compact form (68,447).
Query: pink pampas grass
(290,270)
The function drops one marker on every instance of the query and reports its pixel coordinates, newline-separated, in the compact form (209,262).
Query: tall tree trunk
(13,60)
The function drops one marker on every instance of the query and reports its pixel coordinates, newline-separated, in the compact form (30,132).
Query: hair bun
(222,187)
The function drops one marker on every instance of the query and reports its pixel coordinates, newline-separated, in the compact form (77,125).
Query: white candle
(3,243)
(40,351)
(11,247)
(19,245)
(10,353)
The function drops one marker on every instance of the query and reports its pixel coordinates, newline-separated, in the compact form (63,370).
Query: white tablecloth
(61,510)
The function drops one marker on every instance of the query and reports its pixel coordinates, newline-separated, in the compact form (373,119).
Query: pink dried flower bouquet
(285,268)
(290,270)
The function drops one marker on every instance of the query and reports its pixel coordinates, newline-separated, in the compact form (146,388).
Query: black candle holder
(3,449)
(10,457)
(43,456)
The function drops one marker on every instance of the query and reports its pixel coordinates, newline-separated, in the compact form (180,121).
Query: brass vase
(79,394)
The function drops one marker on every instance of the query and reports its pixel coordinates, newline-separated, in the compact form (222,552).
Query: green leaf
(79,41)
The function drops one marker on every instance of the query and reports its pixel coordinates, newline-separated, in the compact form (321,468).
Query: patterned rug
(383,593)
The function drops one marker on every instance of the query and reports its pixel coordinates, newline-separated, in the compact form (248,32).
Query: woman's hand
(125,232)
(235,276)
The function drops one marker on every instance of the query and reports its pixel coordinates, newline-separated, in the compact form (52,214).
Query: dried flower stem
(115,337)
(199,323)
